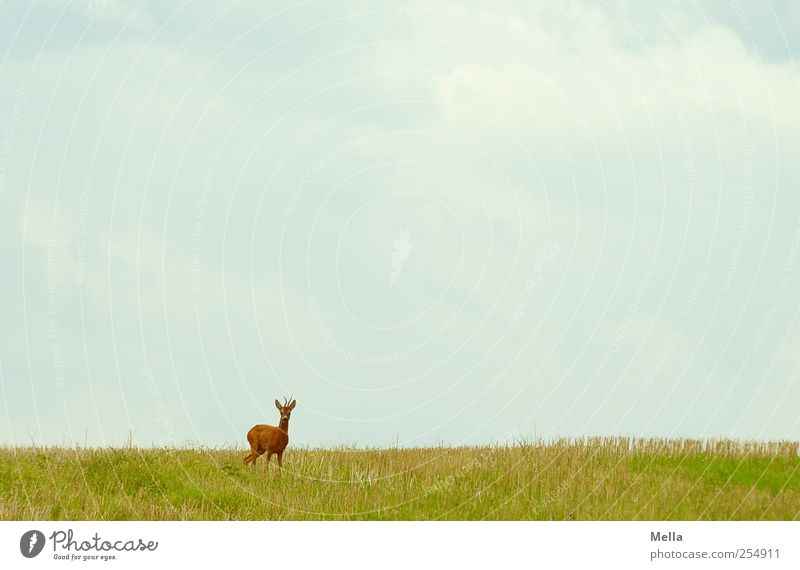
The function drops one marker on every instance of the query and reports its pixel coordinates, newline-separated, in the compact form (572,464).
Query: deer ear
(293,404)
(277,404)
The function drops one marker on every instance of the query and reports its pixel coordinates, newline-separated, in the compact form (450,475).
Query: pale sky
(429,223)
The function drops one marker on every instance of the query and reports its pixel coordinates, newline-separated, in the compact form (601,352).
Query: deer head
(285,409)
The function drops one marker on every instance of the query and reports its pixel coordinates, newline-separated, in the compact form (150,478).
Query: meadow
(576,479)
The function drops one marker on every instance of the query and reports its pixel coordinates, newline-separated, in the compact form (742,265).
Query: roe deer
(270,439)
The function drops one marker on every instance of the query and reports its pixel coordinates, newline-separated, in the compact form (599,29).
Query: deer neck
(284,425)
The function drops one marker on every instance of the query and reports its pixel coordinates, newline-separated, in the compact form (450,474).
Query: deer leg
(254,454)
(269,456)
(280,460)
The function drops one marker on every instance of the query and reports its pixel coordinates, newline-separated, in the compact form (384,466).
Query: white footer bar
(401,545)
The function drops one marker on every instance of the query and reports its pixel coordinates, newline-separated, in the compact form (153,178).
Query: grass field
(589,479)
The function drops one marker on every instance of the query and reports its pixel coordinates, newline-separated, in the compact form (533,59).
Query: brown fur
(270,439)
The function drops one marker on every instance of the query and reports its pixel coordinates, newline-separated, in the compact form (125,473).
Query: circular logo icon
(31,543)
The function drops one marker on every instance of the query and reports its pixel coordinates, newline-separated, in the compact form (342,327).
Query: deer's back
(264,438)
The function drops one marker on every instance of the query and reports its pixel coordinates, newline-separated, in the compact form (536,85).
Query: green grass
(588,479)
